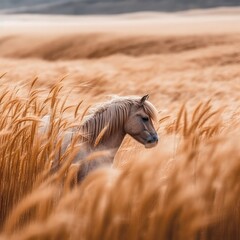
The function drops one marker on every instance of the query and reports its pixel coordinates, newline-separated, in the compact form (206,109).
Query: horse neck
(110,140)
(112,143)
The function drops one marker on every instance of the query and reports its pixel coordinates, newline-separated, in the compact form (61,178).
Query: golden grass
(188,187)
(191,195)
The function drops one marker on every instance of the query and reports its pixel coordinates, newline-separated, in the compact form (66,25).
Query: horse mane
(111,115)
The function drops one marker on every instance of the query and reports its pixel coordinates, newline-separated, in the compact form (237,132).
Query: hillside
(106,7)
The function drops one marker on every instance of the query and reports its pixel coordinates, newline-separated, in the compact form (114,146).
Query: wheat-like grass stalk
(100,135)
(77,108)
(179,116)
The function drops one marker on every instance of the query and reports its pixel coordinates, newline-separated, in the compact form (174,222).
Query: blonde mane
(112,115)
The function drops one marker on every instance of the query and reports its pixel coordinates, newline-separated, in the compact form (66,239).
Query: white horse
(107,125)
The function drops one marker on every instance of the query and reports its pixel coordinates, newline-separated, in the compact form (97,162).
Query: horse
(107,124)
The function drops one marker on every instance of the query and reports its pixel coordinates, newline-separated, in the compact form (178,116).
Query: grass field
(188,187)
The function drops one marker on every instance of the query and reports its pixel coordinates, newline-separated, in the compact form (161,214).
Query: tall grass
(190,192)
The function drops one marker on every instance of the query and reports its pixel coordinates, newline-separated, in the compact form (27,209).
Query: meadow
(187,187)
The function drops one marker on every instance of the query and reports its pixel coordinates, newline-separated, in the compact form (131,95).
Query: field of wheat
(187,187)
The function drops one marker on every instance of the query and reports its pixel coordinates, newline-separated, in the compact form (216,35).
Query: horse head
(139,124)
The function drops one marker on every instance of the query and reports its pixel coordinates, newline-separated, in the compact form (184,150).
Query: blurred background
(167,48)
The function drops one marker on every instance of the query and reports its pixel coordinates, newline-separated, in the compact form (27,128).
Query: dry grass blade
(77,108)
(3,95)
(67,108)
(32,84)
(85,111)
(27,119)
(100,135)
(163,119)
(185,124)
(1,76)
(196,123)
(209,116)
(179,116)
(196,111)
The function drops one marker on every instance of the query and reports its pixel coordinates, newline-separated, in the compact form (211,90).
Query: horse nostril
(155,138)
(152,139)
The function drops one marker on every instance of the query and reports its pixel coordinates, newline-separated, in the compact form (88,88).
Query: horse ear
(144,98)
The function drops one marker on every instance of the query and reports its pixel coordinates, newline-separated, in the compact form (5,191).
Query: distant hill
(106,6)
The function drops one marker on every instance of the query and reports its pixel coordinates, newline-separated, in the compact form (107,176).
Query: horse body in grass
(107,125)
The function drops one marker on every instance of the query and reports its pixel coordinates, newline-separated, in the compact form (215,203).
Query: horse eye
(145,119)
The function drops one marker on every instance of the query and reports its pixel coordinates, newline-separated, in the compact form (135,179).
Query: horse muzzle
(152,141)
